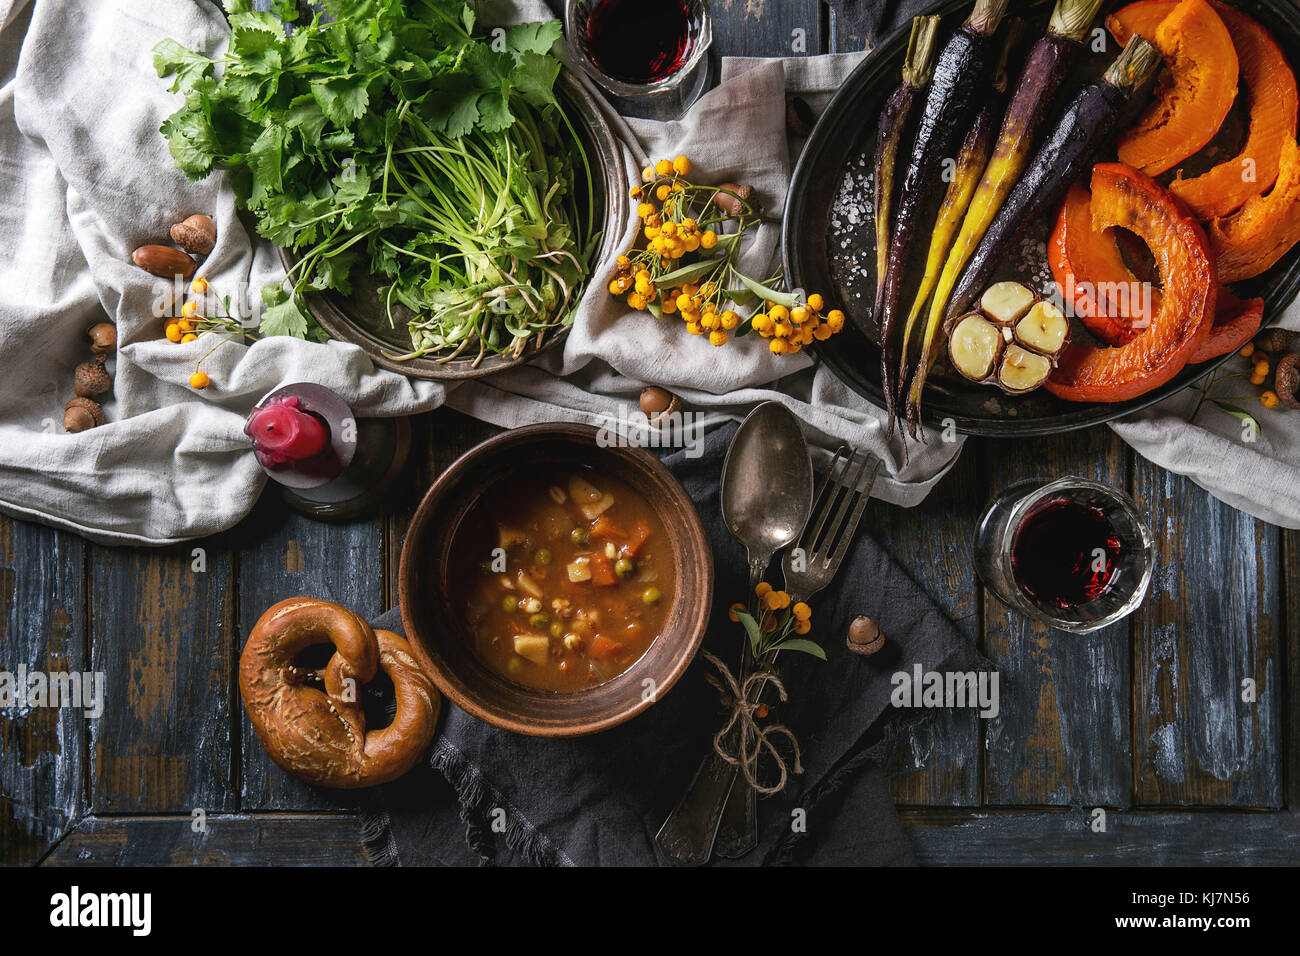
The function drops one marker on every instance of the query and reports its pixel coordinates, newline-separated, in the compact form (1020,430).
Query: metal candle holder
(351,476)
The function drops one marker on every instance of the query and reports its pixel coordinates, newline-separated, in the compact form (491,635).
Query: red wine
(1065,553)
(638,41)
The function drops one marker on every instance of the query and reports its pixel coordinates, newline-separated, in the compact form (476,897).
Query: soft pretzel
(320,735)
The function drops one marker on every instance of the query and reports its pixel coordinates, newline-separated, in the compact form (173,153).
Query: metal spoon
(767,485)
(767,490)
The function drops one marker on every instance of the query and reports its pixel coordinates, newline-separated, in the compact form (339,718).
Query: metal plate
(843,140)
(360,318)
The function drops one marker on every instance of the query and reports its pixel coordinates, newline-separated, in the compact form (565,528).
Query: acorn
(164,262)
(732,199)
(103,338)
(658,403)
(81,414)
(91,379)
(1274,340)
(864,636)
(197,234)
(1286,380)
(799,116)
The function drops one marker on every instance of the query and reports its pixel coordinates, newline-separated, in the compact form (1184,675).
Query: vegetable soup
(568,578)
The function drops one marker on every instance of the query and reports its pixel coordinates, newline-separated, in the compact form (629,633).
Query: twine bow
(753,739)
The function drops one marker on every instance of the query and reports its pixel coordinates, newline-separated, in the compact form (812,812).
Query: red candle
(283,431)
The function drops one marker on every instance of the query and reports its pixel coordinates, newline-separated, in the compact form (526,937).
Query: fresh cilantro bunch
(393,136)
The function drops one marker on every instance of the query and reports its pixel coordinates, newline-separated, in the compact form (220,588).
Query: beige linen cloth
(85,178)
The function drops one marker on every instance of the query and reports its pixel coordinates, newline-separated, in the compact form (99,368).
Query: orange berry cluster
(701,308)
(192,323)
(188,326)
(1261,368)
(669,229)
(676,220)
(670,232)
(771,604)
(790,329)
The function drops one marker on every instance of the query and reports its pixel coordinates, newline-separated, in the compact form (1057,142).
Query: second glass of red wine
(647,55)
(1072,554)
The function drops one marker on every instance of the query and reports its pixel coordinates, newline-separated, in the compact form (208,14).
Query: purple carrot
(959,84)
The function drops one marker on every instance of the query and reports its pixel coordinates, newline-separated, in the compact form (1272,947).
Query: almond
(164,261)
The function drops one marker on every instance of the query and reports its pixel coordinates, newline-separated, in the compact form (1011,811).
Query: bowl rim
(685,513)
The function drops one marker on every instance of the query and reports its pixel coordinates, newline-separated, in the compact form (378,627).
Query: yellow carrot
(1049,63)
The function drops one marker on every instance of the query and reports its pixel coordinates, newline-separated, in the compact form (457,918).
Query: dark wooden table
(1146,720)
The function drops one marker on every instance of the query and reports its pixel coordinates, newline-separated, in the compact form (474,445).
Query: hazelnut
(197,234)
(82,413)
(864,636)
(103,338)
(91,379)
(657,403)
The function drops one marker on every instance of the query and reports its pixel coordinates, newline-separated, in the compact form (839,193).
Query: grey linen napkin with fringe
(487,796)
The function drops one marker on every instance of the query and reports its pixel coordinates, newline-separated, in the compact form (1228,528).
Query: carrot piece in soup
(604,649)
(602,571)
(639,536)
(604,527)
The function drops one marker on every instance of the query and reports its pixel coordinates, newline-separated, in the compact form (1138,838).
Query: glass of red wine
(647,55)
(1072,554)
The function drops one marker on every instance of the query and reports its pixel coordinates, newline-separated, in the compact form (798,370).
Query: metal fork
(822,553)
(808,567)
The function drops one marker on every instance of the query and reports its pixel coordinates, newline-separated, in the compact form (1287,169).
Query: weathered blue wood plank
(1211,622)
(42,629)
(225,840)
(939,764)
(841,38)
(1133,838)
(162,631)
(767,27)
(1062,736)
(1291,654)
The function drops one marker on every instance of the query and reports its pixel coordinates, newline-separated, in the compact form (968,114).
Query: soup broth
(569,578)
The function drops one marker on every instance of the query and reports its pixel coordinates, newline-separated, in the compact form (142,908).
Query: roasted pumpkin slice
(1271,90)
(1088,265)
(1256,236)
(1123,196)
(1192,102)
(1143,17)
(1235,323)
(1271,95)
(1093,277)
